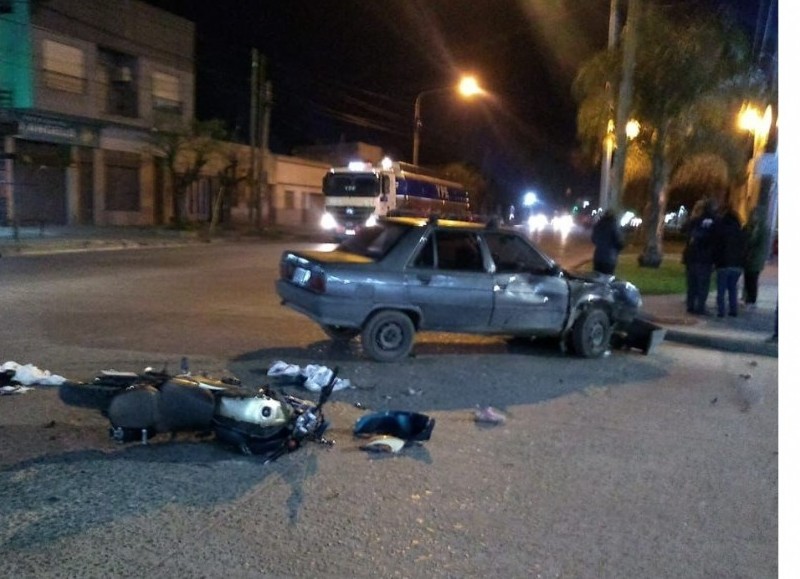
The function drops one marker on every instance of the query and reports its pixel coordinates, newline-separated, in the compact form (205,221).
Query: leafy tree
(472,180)
(692,73)
(186,150)
(229,178)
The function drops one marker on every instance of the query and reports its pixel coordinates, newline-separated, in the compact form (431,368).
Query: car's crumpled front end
(628,299)
(623,298)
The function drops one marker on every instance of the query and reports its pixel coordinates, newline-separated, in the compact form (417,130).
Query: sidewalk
(54,239)
(747,333)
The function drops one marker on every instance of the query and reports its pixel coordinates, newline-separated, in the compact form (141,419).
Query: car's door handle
(499,287)
(424,278)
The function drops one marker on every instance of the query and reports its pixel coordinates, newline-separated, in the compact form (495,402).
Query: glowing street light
(632,130)
(759,124)
(530,199)
(467,87)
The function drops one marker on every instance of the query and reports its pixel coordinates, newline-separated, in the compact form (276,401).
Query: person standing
(728,251)
(698,256)
(608,241)
(756,239)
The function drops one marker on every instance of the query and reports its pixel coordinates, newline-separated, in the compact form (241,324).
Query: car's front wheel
(340,333)
(591,333)
(388,336)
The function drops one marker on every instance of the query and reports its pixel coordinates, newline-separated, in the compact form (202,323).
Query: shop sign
(38,128)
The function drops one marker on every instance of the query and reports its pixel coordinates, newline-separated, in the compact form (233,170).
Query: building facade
(83,83)
(85,88)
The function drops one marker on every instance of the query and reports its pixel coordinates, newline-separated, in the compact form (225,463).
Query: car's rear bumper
(324,310)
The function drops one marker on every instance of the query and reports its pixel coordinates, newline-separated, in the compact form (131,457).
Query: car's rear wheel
(388,336)
(340,333)
(591,333)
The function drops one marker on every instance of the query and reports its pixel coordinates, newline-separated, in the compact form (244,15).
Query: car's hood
(589,276)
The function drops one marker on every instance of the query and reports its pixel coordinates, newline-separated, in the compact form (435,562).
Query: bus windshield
(358,185)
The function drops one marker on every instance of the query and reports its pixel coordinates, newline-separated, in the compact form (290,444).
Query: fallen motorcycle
(140,406)
(272,423)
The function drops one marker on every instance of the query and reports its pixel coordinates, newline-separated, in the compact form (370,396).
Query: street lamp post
(759,125)
(468,87)
(761,166)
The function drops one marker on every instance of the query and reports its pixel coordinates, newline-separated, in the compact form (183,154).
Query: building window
(119,89)
(64,67)
(166,92)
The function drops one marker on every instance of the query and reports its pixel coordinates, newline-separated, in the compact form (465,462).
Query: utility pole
(266,109)
(254,65)
(260,109)
(260,132)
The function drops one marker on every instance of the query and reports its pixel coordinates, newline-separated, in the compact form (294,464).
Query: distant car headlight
(327,221)
(537,222)
(563,223)
(371,221)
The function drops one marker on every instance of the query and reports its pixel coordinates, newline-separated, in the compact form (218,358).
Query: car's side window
(458,250)
(451,250)
(511,254)
(426,258)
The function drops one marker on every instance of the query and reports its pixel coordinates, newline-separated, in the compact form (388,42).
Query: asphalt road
(627,466)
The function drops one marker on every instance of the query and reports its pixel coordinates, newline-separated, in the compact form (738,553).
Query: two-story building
(82,86)
(85,88)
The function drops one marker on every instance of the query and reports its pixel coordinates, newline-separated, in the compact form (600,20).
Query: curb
(743,346)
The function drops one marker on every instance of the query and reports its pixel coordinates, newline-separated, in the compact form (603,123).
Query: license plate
(301,276)
(349,231)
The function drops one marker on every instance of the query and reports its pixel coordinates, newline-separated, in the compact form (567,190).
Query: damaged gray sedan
(407,275)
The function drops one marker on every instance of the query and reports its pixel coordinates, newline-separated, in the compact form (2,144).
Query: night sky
(351,69)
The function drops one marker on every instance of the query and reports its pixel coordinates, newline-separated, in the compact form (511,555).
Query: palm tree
(692,73)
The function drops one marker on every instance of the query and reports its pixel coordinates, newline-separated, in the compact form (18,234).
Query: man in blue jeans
(729,250)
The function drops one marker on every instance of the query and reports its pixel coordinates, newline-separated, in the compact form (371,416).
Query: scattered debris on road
(489,415)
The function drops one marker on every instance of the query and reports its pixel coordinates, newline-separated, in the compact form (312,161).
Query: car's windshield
(350,185)
(375,242)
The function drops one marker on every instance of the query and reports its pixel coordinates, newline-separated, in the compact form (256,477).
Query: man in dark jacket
(729,249)
(757,238)
(698,256)
(608,241)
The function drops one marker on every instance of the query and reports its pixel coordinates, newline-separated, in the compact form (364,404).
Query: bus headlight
(371,221)
(327,222)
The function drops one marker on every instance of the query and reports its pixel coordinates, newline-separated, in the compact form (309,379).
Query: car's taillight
(287,270)
(317,281)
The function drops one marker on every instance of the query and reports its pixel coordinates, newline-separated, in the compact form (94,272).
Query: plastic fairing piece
(642,335)
(384,443)
(409,426)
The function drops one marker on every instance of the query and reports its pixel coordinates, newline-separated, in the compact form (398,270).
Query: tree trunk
(216,210)
(653,252)
(624,99)
(178,203)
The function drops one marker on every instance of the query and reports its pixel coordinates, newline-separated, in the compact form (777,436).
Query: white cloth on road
(316,377)
(29,375)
